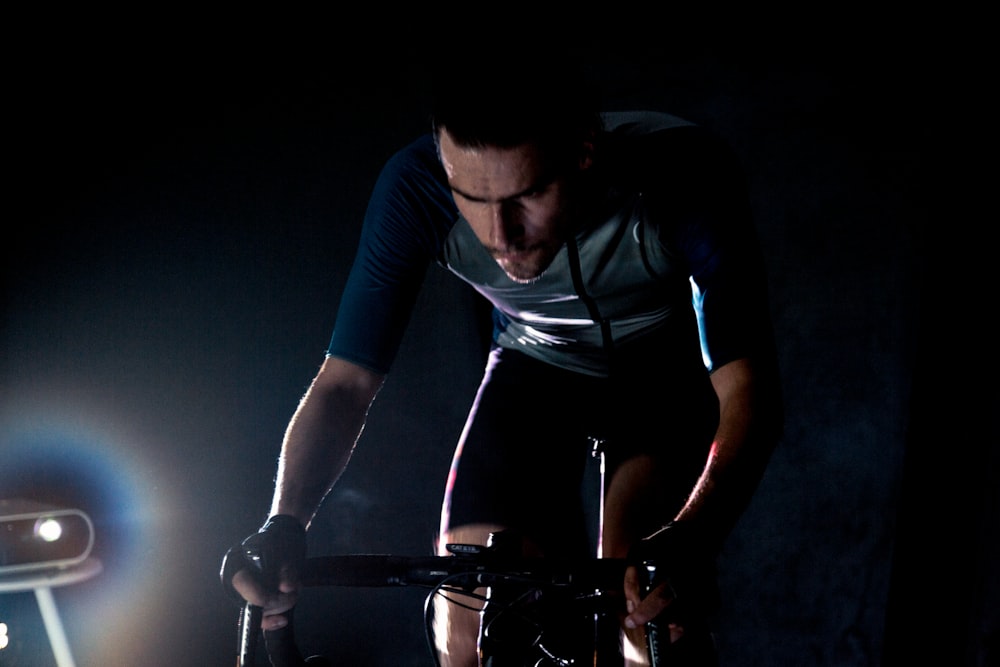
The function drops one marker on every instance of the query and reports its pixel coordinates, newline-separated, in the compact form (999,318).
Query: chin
(524,275)
(529,267)
(521,279)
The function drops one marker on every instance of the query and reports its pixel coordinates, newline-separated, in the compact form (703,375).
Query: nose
(504,225)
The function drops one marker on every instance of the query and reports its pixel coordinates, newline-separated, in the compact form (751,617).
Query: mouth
(515,253)
(522,265)
(510,256)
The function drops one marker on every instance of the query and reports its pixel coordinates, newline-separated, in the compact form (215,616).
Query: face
(518,207)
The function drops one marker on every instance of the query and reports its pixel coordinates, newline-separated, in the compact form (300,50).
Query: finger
(633,593)
(288,580)
(649,607)
(249,587)
(254,592)
(274,617)
(273,622)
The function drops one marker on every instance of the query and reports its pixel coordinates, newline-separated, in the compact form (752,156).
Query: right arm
(321,436)
(317,446)
(409,214)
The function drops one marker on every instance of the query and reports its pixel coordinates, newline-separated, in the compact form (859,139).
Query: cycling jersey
(660,283)
(669,229)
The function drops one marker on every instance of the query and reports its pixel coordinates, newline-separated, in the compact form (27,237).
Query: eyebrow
(535,187)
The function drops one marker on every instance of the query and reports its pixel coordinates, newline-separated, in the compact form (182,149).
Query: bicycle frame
(468,568)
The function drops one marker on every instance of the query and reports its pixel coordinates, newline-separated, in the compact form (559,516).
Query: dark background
(180,225)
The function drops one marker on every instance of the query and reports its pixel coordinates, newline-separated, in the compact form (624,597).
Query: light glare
(48,529)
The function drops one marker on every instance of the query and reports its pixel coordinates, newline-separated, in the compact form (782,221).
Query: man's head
(513,140)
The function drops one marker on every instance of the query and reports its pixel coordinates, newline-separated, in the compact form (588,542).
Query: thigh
(521,458)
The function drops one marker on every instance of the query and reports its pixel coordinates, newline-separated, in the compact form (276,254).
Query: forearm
(744,440)
(319,440)
(313,455)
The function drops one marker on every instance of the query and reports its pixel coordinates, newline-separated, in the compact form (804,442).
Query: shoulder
(413,178)
(416,159)
(410,203)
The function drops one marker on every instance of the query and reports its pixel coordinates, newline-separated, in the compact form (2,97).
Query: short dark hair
(514,101)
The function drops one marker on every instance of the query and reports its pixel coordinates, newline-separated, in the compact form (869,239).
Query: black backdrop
(180,231)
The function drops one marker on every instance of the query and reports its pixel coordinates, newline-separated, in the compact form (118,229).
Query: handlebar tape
(282,650)
(249,632)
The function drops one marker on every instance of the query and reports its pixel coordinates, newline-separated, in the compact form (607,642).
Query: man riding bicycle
(629,307)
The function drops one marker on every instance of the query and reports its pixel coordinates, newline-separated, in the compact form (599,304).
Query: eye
(534,193)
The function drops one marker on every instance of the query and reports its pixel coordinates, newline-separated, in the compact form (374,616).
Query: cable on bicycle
(435,591)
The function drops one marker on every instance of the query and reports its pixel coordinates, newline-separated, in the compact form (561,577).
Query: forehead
(490,172)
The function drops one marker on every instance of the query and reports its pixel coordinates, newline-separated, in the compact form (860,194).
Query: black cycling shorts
(525,457)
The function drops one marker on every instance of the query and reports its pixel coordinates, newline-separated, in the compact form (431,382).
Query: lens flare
(48,529)
(106,476)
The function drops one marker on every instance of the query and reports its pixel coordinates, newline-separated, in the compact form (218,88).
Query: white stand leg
(53,626)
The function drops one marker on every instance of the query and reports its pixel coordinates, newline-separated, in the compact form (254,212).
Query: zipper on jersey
(576,272)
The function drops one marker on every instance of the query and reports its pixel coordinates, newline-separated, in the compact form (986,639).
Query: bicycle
(541,612)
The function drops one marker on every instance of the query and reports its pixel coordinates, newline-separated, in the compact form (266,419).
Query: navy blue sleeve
(409,213)
(710,226)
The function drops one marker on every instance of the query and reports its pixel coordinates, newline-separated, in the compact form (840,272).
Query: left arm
(739,451)
(704,195)
(749,410)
